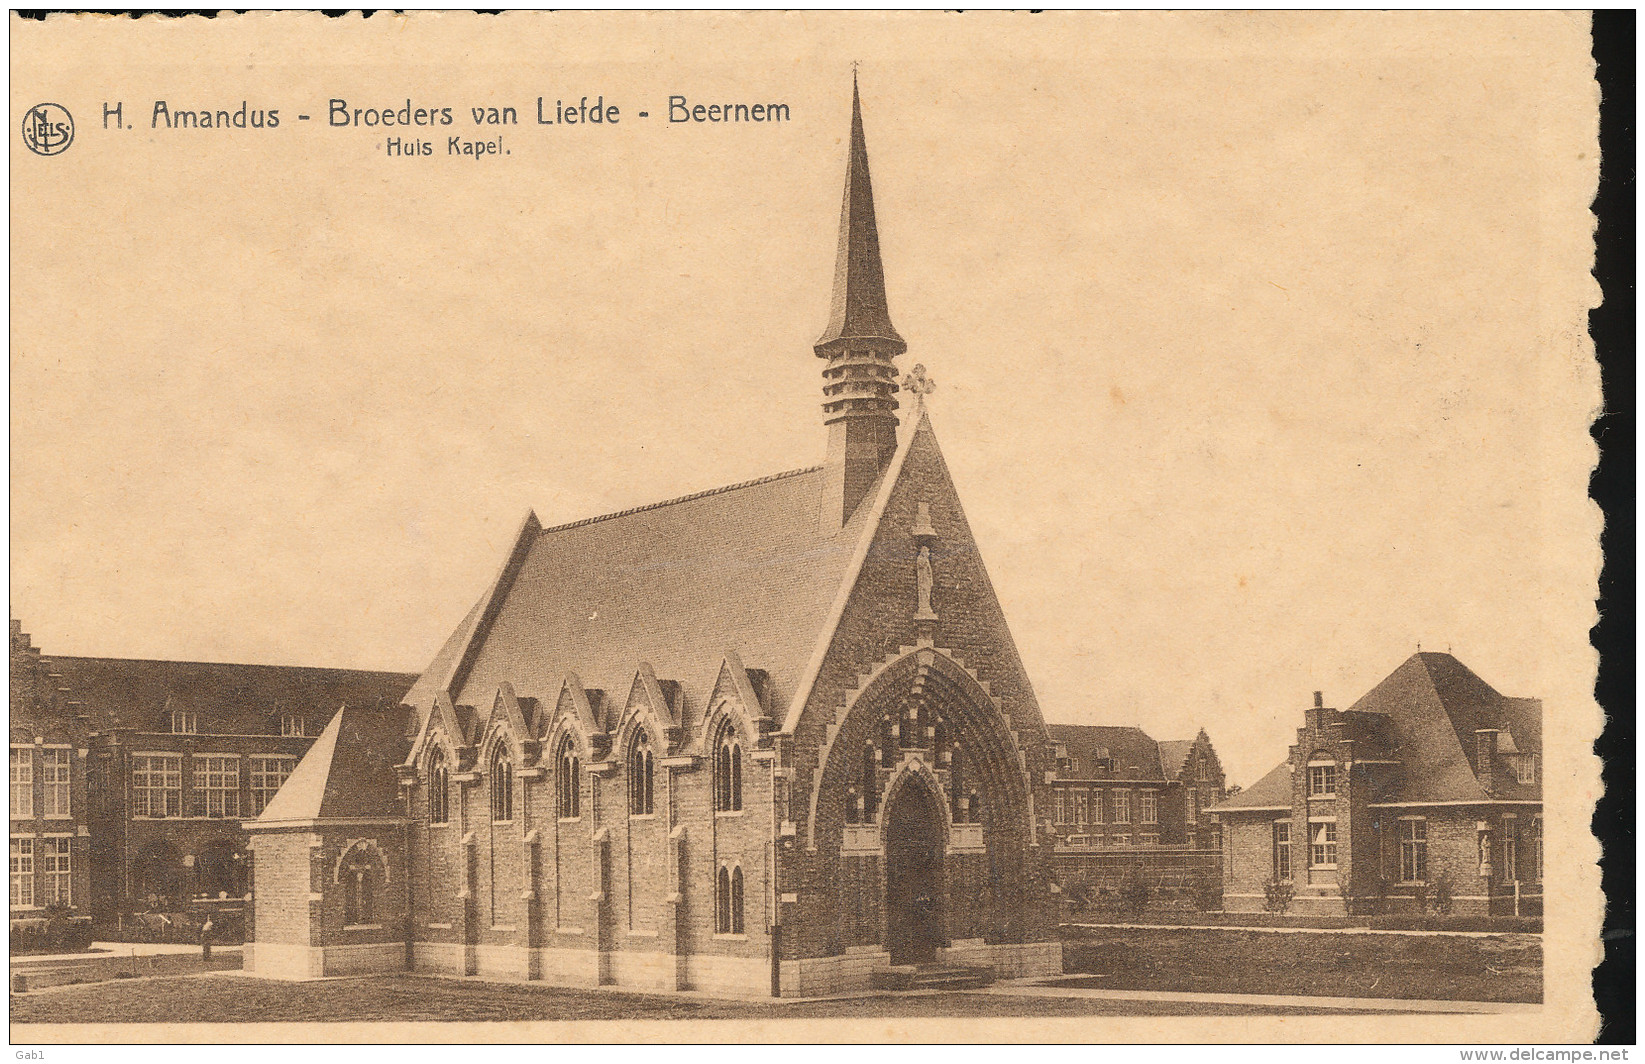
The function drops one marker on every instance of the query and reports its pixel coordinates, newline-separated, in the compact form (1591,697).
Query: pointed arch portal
(914,874)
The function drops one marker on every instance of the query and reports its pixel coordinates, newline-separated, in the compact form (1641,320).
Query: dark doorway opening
(913,875)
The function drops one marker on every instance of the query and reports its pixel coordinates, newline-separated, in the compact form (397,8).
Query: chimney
(1485,740)
(1319,699)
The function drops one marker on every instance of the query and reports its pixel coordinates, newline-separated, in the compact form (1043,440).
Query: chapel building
(773,738)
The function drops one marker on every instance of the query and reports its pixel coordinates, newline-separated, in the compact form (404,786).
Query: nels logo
(48,129)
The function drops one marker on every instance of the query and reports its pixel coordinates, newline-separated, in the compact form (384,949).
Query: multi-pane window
(1062,806)
(1150,807)
(22,782)
(54,778)
(1322,780)
(293,724)
(1096,807)
(439,788)
(156,785)
(59,879)
(502,788)
(1322,851)
(728,902)
(1525,768)
(641,777)
(1282,849)
(22,872)
(568,781)
(184,722)
(728,773)
(1413,851)
(1510,848)
(1536,847)
(216,788)
(1122,807)
(267,774)
(1193,805)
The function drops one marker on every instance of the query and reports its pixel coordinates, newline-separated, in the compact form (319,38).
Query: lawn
(1442,967)
(241,999)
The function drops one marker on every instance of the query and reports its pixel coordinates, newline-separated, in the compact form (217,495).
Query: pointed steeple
(859,344)
(858,310)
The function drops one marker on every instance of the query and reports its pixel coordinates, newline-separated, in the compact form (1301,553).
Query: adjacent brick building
(773,737)
(50,740)
(135,775)
(1430,783)
(1124,804)
(1116,788)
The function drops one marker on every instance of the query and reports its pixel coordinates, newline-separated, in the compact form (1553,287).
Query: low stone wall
(853,970)
(101,967)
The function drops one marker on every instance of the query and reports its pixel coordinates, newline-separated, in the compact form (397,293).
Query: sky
(1249,370)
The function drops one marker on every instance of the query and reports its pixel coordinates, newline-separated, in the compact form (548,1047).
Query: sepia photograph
(922,526)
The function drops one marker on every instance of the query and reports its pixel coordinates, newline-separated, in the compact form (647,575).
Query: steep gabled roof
(746,568)
(226,698)
(1436,703)
(347,773)
(1135,755)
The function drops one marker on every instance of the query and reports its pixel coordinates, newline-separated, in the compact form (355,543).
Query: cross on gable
(918,384)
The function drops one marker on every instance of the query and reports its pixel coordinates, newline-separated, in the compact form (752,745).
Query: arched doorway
(914,875)
(219,869)
(157,878)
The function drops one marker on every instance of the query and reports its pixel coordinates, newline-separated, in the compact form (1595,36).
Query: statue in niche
(922,573)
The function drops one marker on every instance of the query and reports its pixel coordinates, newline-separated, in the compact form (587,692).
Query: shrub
(1133,895)
(58,931)
(1419,894)
(1207,896)
(1277,895)
(1443,891)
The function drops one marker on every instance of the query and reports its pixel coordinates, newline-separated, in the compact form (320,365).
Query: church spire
(859,344)
(858,311)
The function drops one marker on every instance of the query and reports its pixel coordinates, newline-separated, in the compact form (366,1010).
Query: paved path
(1306,930)
(1011,988)
(101,950)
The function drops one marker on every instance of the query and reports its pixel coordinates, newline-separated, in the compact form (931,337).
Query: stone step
(933,977)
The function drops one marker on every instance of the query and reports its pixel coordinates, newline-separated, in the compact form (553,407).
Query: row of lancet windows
(728,781)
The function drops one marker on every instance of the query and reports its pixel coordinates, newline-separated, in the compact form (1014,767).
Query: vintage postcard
(790,526)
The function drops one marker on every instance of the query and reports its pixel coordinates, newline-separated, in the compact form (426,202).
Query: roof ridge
(229,664)
(683,498)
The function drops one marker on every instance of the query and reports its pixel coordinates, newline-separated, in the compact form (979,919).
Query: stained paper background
(1259,339)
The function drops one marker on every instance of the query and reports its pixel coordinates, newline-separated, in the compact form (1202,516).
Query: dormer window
(184,722)
(1525,768)
(293,724)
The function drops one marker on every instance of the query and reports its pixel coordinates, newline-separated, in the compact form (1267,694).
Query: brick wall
(287,874)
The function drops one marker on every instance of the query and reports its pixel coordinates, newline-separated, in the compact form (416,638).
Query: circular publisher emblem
(48,129)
